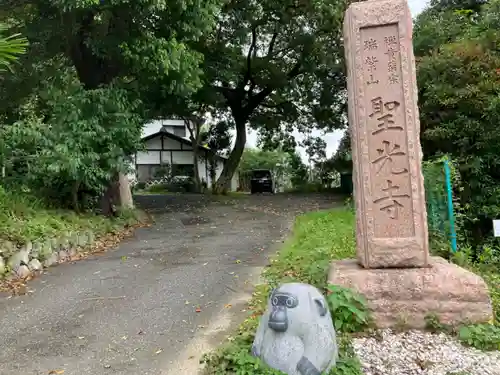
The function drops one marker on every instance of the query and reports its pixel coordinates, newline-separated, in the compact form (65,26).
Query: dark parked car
(261,181)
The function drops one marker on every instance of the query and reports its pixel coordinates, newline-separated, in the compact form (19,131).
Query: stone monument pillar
(393,269)
(385,136)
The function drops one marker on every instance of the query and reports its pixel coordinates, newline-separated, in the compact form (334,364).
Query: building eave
(163,132)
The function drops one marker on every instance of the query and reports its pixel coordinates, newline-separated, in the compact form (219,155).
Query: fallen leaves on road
(158,351)
(228,306)
(17,287)
(56,372)
(198,310)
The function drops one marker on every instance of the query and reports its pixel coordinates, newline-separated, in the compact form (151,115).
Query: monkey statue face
(281,302)
(296,333)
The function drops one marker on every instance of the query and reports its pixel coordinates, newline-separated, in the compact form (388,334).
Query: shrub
(26,218)
(480,336)
(349,309)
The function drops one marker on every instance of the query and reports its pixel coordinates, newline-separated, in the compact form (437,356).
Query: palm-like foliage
(10,48)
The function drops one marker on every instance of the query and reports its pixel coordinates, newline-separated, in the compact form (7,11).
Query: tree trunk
(74,196)
(124,193)
(197,182)
(233,161)
(107,208)
(117,195)
(212,171)
(93,72)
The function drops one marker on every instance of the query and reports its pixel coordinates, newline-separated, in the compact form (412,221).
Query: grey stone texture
(34,256)
(51,260)
(35,265)
(296,333)
(19,258)
(22,272)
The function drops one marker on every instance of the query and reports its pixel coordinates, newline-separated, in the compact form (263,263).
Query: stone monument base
(407,295)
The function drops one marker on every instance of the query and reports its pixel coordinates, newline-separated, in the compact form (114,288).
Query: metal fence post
(451,216)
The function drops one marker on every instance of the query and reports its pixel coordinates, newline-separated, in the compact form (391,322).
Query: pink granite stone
(408,295)
(391,222)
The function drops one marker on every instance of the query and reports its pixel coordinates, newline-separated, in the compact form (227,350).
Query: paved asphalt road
(132,310)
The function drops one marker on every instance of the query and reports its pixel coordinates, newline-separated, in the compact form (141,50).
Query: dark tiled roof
(178,139)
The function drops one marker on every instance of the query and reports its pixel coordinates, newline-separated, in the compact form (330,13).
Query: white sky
(332,139)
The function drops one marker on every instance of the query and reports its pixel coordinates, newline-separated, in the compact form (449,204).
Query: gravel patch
(422,353)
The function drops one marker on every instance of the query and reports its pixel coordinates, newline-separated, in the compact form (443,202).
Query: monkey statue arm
(305,367)
(259,335)
(318,347)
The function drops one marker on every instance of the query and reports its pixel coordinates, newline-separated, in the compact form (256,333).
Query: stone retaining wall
(32,257)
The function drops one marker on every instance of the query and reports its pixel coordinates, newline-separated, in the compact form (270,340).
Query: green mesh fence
(436,198)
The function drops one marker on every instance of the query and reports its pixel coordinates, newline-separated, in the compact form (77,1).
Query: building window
(183,170)
(144,172)
(179,131)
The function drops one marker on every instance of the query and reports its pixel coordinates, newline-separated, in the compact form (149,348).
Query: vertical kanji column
(391,222)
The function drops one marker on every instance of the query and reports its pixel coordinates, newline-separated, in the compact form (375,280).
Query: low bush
(158,188)
(174,185)
(349,310)
(317,239)
(480,336)
(26,218)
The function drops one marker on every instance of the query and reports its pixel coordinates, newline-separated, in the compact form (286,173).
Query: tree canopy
(85,75)
(276,66)
(459,91)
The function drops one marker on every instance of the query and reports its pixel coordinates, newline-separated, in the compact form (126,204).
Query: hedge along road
(154,304)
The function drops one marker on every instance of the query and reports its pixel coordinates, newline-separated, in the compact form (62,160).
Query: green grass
(24,218)
(317,239)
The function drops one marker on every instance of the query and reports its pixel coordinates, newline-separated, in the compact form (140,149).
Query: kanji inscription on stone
(384,113)
(371,44)
(390,203)
(371,67)
(384,127)
(386,155)
(392,51)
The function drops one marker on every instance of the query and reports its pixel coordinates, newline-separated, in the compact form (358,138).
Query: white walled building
(167,142)
(176,127)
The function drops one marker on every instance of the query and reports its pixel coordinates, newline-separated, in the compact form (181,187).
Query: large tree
(459,91)
(115,44)
(276,66)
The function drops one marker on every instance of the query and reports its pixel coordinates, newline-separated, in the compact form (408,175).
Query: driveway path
(135,309)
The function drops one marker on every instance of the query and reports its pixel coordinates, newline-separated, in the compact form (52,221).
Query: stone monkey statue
(296,333)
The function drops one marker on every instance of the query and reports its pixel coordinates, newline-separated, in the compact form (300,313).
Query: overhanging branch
(258,98)
(251,53)
(272,44)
